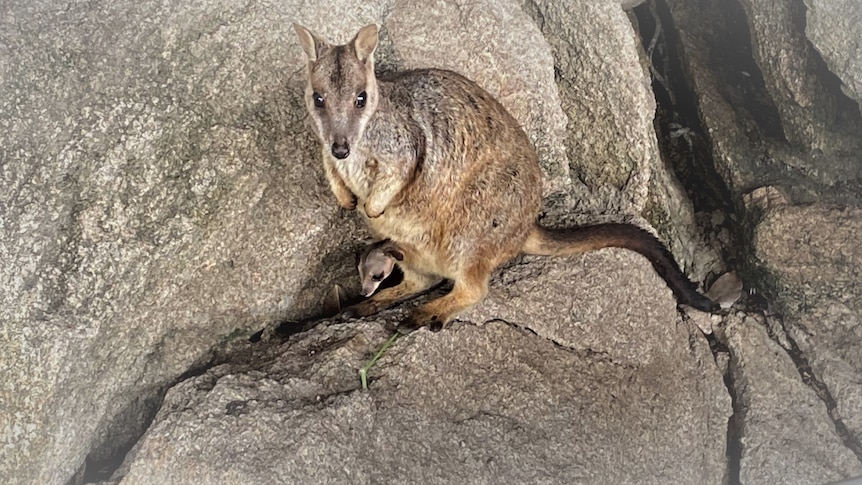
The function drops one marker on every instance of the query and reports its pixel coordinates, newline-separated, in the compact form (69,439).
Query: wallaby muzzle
(341,150)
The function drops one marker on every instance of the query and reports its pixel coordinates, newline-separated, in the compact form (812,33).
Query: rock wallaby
(437,165)
(376,263)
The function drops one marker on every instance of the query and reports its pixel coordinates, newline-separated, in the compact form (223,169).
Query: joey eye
(361,98)
(377,277)
(318,100)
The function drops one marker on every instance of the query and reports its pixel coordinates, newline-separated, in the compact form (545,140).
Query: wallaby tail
(565,242)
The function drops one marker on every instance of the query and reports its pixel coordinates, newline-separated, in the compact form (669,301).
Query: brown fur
(437,165)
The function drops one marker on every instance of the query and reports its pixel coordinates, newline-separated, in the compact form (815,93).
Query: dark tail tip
(698,301)
(665,265)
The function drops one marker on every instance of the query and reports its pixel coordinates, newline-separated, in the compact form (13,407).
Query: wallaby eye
(377,277)
(360,99)
(318,100)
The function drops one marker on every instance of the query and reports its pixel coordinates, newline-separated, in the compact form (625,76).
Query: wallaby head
(341,95)
(376,264)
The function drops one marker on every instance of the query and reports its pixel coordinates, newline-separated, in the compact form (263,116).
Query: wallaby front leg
(412,284)
(391,178)
(382,193)
(343,195)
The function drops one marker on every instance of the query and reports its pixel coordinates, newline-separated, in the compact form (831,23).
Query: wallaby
(439,166)
(376,263)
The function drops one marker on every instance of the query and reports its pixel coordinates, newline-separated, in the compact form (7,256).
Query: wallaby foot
(437,313)
(412,284)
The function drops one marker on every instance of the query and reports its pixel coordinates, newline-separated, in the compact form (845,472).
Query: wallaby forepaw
(348,204)
(372,212)
(364,308)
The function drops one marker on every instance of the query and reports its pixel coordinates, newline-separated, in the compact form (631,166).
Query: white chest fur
(358,172)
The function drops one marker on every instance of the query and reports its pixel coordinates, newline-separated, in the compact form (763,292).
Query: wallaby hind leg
(471,288)
(412,284)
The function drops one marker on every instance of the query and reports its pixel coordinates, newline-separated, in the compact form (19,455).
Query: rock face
(771,109)
(775,405)
(773,115)
(162,200)
(160,196)
(800,91)
(831,27)
(813,254)
(473,404)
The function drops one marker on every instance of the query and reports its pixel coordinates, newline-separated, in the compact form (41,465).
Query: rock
(831,26)
(797,88)
(812,253)
(786,434)
(726,290)
(162,194)
(781,133)
(726,121)
(601,316)
(611,144)
(814,258)
(602,126)
(470,404)
(163,200)
(770,108)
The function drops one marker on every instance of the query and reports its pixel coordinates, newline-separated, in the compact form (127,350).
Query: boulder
(162,201)
(784,432)
(771,110)
(814,260)
(162,194)
(832,26)
(480,402)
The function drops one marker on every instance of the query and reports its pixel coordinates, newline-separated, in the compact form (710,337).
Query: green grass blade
(363,372)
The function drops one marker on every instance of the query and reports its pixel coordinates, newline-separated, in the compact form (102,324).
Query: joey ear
(365,42)
(311,43)
(395,253)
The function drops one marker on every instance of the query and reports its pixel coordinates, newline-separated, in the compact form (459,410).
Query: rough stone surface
(796,87)
(812,252)
(814,256)
(161,198)
(603,127)
(611,145)
(601,315)
(698,28)
(787,435)
(771,111)
(834,27)
(471,404)
(162,195)
(780,132)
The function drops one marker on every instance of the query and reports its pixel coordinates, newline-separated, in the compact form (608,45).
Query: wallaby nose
(340,150)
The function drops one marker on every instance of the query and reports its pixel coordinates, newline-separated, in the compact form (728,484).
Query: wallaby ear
(311,44)
(395,253)
(365,42)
